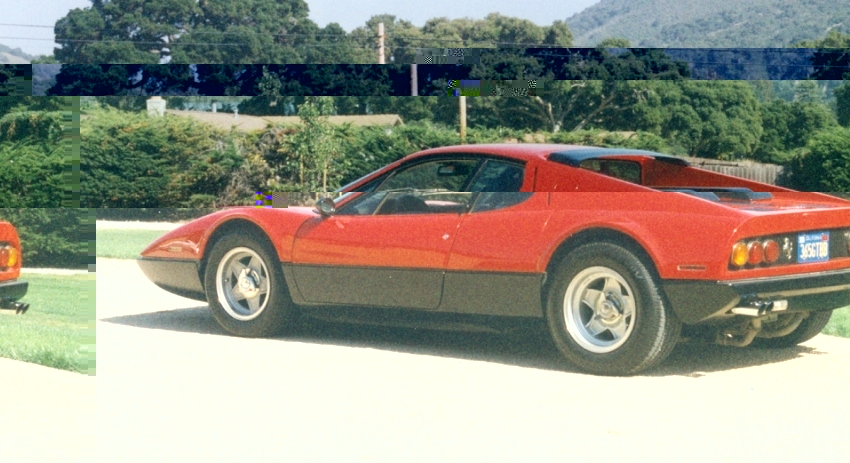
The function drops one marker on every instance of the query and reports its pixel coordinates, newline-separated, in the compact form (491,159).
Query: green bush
(369,148)
(54,237)
(33,155)
(824,164)
(132,160)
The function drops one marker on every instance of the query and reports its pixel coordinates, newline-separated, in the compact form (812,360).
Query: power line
(413,38)
(25,25)
(174,44)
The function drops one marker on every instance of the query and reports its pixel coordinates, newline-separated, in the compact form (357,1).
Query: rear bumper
(180,277)
(11,291)
(695,301)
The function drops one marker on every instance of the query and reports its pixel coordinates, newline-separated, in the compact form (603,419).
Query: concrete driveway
(46,415)
(172,387)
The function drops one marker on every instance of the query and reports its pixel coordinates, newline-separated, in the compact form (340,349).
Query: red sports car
(617,250)
(11,289)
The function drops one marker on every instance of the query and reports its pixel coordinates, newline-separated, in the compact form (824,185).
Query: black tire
(274,306)
(654,327)
(810,327)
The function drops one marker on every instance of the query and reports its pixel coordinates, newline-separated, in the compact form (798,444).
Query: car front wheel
(606,312)
(245,287)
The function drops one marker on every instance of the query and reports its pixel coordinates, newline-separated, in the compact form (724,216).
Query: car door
(387,247)
(492,264)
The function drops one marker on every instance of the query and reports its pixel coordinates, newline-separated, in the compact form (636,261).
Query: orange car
(11,288)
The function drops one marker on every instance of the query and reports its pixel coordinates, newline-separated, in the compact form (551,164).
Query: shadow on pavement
(528,347)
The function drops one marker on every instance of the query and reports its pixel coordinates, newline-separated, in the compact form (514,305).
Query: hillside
(719,23)
(16,56)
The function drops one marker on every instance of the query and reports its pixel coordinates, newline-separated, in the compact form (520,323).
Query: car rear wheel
(810,327)
(606,313)
(245,287)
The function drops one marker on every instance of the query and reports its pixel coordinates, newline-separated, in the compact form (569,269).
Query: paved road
(173,387)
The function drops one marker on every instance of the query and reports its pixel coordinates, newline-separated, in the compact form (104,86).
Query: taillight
(771,251)
(8,256)
(740,254)
(755,253)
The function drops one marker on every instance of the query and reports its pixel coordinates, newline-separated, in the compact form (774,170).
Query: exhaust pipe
(19,308)
(760,308)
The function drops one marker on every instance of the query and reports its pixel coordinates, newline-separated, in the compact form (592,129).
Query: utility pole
(463,119)
(381,43)
(414,81)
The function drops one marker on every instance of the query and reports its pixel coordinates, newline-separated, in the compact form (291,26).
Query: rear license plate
(813,247)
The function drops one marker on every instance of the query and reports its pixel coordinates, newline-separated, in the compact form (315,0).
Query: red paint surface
(681,233)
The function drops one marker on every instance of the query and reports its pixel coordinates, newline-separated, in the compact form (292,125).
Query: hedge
(33,156)
(54,237)
(132,160)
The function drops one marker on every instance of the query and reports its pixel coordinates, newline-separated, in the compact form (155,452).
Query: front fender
(190,241)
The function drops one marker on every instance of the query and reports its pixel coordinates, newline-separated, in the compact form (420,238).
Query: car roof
(564,154)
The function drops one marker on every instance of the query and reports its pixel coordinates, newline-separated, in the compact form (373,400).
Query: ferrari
(11,288)
(619,252)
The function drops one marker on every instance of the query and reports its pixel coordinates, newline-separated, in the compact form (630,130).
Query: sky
(322,12)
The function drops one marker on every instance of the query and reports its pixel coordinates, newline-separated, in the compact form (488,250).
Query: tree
(600,89)
(92,79)
(184,31)
(833,39)
(713,119)
(842,104)
(788,127)
(314,146)
(807,91)
(831,60)
(614,42)
(494,31)
(7,80)
(824,165)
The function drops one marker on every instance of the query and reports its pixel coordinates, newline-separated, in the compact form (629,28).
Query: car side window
(450,175)
(424,188)
(499,183)
(498,176)
(623,170)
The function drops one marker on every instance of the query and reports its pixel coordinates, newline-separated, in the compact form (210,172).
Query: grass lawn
(839,324)
(58,331)
(124,244)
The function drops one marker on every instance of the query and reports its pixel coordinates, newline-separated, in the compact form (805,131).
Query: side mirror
(326,207)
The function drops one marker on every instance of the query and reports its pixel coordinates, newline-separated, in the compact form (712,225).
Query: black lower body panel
(486,293)
(11,291)
(459,292)
(695,300)
(180,277)
(364,286)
